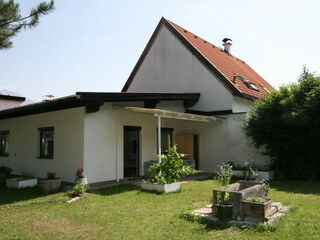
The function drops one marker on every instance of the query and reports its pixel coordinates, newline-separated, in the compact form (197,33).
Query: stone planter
(263,175)
(49,185)
(161,188)
(238,192)
(266,175)
(256,210)
(21,182)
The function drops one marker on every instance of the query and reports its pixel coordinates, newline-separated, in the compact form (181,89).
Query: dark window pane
(4,143)
(166,139)
(46,143)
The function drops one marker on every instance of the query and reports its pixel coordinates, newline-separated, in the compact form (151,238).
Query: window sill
(45,157)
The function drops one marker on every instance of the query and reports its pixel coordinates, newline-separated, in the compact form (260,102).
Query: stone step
(275,217)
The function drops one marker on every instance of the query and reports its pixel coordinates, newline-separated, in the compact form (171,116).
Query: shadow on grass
(115,189)
(295,186)
(8,196)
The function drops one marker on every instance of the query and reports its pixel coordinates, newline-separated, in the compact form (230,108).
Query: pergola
(161,113)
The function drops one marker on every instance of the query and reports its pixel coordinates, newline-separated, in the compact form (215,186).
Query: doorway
(131,153)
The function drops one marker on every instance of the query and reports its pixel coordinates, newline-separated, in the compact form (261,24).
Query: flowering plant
(80,173)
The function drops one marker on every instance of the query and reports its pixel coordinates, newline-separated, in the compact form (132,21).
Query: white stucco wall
(24,143)
(5,103)
(240,105)
(171,67)
(225,142)
(100,149)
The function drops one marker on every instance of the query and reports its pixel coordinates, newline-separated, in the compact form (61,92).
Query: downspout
(159,138)
(117,144)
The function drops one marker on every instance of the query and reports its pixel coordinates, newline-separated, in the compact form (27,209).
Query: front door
(131,151)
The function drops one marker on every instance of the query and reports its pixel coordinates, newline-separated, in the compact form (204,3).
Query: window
(264,88)
(46,142)
(247,82)
(4,143)
(166,139)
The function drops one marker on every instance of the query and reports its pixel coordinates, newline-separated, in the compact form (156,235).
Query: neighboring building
(195,92)
(10,101)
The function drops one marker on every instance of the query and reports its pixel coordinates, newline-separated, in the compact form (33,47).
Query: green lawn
(124,212)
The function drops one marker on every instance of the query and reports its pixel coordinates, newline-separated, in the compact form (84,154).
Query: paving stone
(277,211)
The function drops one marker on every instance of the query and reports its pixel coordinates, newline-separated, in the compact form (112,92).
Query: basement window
(46,140)
(4,143)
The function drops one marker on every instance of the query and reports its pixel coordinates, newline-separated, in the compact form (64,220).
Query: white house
(10,101)
(191,92)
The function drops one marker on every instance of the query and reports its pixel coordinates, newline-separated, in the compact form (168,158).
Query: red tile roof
(226,64)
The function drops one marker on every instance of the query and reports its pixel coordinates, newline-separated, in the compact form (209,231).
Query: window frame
(40,137)
(2,153)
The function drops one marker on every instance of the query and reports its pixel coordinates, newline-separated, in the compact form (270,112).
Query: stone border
(277,211)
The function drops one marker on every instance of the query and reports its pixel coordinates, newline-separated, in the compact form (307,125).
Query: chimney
(227,44)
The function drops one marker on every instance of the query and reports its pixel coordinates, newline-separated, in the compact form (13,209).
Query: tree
(11,21)
(287,124)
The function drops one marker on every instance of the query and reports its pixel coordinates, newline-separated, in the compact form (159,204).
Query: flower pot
(49,185)
(224,212)
(82,180)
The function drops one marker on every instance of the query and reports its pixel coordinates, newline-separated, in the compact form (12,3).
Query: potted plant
(166,174)
(80,177)
(224,209)
(4,172)
(49,184)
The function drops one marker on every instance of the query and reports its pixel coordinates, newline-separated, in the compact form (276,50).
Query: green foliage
(4,169)
(51,175)
(224,176)
(11,21)
(257,200)
(79,189)
(171,169)
(287,124)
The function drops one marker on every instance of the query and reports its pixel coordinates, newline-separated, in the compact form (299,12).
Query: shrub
(286,123)
(4,169)
(171,169)
(51,175)
(224,176)
(79,189)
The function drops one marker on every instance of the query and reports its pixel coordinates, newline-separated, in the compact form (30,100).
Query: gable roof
(231,71)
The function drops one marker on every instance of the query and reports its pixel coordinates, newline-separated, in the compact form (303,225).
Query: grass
(124,212)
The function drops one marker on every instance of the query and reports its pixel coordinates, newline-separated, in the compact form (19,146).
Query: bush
(171,169)
(79,189)
(4,169)
(287,124)
(51,175)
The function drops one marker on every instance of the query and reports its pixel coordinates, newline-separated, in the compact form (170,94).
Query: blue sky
(94,45)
